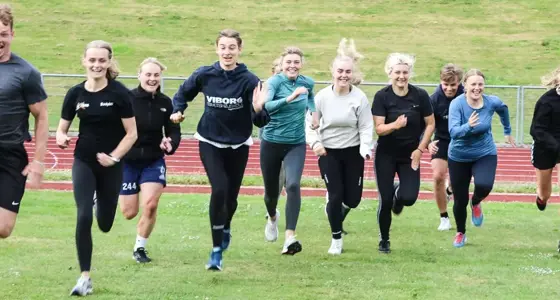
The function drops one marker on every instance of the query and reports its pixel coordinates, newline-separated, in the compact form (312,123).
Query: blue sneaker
(460,240)
(226,239)
(477,216)
(215,261)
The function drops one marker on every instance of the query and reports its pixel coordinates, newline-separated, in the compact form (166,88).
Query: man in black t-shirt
(21,93)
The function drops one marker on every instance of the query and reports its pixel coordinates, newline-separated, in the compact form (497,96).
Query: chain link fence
(520,100)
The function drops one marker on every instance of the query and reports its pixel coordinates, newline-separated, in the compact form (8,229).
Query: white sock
(140,242)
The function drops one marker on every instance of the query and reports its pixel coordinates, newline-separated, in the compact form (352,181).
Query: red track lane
(513,163)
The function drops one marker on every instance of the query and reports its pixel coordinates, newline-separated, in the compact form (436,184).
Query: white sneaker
(271,228)
(336,247)
(84,287)
(291,246)
(445,224)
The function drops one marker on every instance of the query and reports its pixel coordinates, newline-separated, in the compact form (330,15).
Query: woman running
(283,140)
(344,138)
(450,87)
(404,122)
(276,68)
(233,103)
(144,165)
(545,130)
(107,131)
(472,151)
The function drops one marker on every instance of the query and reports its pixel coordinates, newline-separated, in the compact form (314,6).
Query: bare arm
(429,130)
(129,139)
(40,113)
(381,128)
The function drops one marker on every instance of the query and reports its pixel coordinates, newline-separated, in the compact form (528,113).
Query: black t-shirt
(100,114)
(415,105)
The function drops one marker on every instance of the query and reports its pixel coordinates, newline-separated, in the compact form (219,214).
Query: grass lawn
(512,42)
(512,256)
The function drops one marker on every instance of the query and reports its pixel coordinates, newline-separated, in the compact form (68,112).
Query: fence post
(161,85)
(518,116)
(522,115)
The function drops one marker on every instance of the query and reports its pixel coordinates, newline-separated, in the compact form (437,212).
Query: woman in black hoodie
(144,165)
(233,103)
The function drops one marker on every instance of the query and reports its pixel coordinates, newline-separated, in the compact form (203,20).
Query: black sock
(337,236)
(444,215)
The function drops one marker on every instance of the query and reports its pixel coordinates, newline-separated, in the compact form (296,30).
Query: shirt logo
(227,103)
(106,104)
(163,109)
(81,105)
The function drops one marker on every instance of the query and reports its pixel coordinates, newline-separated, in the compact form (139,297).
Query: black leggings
(343,173)
(225,168)
(460,173)
(293,156)
(386,164)
(87,179)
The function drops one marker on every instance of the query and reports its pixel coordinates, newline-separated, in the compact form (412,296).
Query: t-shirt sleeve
(125,104)
(427,108)
(378,107)
(69,104)
(33,89)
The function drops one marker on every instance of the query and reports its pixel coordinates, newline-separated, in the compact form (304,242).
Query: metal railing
(522,97)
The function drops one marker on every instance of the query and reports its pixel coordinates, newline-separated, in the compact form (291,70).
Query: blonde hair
(347,52)
(399,59)
(6,16)
(276,67)
(151,60)
(449,72)
(113,70)
(552,80)
(473,72)
(291,50)
(230,33)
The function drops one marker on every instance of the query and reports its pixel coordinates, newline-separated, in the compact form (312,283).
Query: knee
(129,213)
(483,189)
(439,177)
(105,226)
(5,231)
(292,187)
(408,199)
(150,207)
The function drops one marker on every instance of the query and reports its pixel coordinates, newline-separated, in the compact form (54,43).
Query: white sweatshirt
(344,121)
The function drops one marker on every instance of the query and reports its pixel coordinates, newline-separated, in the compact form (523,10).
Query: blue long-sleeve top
(471,143)
(287,120)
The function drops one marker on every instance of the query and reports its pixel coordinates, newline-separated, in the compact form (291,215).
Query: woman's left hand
(510,140)
(415,156)
(105,160)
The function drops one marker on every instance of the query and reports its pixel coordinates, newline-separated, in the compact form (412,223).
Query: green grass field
(513,42)
(512,256)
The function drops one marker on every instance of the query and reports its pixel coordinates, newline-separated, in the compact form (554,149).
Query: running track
(514,166)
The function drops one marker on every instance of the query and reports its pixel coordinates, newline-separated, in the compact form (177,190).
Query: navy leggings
(460,173)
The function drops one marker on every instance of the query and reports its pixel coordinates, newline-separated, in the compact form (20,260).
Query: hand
(62,140)
(260,94)
(319,150)
(34,170)
(400,122)
(299,91)
(105,160)
(315,122)
(165,144)
(433,148)
(473,119)
(415,156)
(177,117)
(510,140)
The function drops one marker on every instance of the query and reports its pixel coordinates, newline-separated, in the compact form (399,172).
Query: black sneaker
(384,246)
(140,255)
(540,204)
(397,207)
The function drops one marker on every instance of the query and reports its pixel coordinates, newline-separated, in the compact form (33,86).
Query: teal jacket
(287,120)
